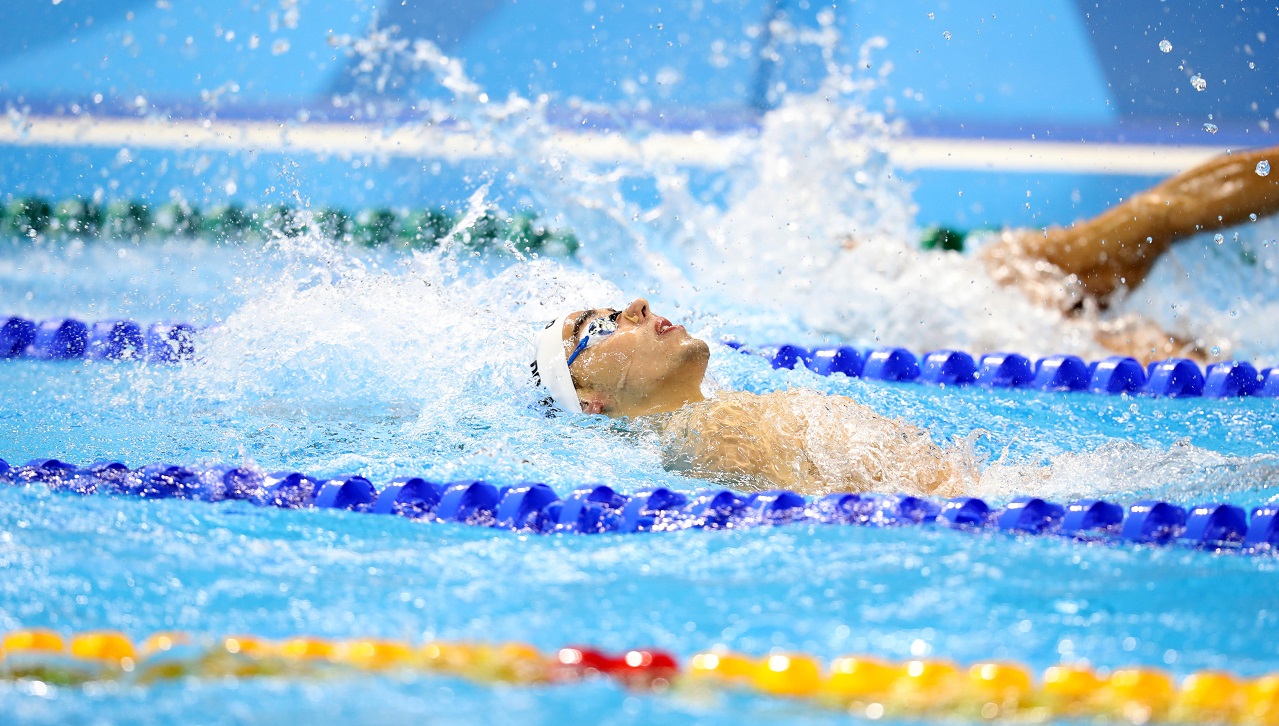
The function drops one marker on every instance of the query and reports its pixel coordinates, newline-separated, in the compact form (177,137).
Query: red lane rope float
(48,656)
(864,686)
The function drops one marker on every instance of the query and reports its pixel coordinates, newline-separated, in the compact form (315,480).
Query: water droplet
(945,34)
(1165,46)
(1210,128)
(1216,350)
(1253,217)
(1263,168)
(931,16)
(1218,238)
(1198,82)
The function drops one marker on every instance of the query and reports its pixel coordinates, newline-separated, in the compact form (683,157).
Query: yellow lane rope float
(862,685)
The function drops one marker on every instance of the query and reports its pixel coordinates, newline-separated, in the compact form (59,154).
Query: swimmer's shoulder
(743,401)
(724,408)
(738,410)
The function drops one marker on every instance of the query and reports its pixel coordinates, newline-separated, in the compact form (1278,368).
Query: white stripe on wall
(698,149)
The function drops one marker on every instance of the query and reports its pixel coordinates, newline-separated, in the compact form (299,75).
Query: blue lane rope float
(1171,378)
(536,508)
(71,339)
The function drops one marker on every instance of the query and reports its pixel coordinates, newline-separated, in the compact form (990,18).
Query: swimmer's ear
(593,404)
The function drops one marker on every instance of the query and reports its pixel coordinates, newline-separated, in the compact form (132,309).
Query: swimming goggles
(596,331)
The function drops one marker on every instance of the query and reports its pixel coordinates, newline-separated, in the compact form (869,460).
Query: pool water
(336,361)
(411,364)
(142,566)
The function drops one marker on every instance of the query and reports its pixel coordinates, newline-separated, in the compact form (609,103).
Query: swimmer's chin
(701,349)
(698,358)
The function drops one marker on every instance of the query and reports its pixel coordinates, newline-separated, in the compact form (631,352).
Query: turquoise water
(338,361)
(141,566)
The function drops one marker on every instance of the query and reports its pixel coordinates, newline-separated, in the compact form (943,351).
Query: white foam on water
(1227,294)
(814,234)
(816,224)
(424,358)
(1181,471)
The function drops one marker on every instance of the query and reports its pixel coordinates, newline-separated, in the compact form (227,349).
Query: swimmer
(632,363)
(1081,269)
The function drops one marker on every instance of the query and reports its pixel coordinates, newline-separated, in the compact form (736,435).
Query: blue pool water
(336,360)
(387,364)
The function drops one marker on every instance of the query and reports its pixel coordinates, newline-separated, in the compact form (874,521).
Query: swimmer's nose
(637,311)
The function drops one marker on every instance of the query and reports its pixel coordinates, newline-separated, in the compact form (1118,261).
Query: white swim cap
(550,366)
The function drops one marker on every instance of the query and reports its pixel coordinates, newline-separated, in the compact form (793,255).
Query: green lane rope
(34,217)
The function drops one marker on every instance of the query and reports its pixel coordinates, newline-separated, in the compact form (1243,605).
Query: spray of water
(816,224)
(342,360)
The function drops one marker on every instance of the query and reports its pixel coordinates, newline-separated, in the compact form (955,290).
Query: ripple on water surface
(142,566)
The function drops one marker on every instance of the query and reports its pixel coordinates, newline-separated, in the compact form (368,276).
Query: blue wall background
(1002,69)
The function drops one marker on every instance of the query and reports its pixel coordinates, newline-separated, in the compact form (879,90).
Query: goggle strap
(581,346)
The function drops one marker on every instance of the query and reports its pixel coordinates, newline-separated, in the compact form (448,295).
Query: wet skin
(1117,248)
(648,365)
(801,440)
(1085,265)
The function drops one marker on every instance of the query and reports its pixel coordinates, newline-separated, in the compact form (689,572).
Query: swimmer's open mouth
(664,325)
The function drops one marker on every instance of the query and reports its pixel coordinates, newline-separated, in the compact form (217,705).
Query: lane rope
(861,685)
(599,509)
(1115,375)
(72,339)
(34,217)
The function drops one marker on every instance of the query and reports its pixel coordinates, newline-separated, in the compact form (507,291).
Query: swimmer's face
(635,369)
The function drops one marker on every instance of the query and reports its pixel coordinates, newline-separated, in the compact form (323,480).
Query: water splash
(1225,292)
(815,230)
(1121,469)
(429,353)
(815,226)
(567,190)
(339,360)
